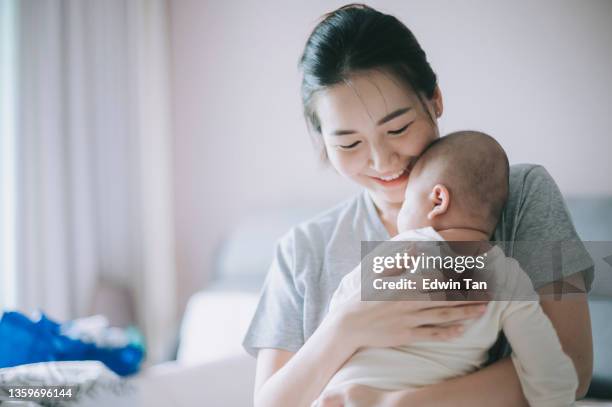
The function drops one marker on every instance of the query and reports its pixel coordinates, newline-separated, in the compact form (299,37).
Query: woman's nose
(383,159)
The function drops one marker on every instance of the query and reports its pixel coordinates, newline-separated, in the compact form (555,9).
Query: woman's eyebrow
(342,132)
(393,115)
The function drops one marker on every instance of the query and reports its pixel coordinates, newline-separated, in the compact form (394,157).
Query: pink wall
(536,76)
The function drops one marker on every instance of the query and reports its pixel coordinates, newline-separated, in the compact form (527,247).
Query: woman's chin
(392,198)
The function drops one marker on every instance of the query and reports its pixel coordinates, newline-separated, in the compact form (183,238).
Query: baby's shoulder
(511,281)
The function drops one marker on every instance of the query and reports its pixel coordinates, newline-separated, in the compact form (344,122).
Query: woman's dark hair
(357,38)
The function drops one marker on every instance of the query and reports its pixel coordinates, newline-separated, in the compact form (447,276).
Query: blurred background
(147,146)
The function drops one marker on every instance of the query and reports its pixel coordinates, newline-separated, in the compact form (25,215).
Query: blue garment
(24,341)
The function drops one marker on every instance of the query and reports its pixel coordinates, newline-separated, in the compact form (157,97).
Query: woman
(372,102)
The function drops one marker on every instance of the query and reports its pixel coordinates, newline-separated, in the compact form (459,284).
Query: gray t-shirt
(312,258)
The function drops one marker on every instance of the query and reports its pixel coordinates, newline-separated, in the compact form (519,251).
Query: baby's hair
(475,169)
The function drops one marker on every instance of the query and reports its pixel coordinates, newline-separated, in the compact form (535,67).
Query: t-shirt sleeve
(545,241)
(277,322)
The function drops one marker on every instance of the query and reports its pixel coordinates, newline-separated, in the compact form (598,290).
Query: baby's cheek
(408,213)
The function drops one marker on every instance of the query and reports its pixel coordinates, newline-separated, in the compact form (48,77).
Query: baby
(456,192)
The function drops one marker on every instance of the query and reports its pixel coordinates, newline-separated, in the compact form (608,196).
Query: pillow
(247,252)
(91,383)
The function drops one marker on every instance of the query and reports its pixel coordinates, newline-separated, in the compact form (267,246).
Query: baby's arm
(546,373)
(349,286)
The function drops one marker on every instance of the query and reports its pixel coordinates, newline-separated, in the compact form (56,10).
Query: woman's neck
(387,212)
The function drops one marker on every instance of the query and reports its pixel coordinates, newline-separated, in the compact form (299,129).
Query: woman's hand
(398,320)
(396,323)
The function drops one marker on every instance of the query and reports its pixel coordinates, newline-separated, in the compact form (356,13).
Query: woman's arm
(494,385)
(297,379)
(498,384)
(572,322)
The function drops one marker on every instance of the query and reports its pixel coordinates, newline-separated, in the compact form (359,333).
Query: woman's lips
(394,182)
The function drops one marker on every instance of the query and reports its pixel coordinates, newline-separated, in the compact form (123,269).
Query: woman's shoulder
(339,229)
(535,209)
(525,174)
(532,193)
(332,234)
(530,182)
(324,225)
(536,215)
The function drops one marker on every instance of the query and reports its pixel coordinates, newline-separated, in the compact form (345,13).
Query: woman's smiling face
(373,129)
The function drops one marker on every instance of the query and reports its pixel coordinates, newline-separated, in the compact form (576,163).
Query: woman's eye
(399,131)
(348,147)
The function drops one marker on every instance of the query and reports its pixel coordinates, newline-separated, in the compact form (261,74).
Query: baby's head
(460,181)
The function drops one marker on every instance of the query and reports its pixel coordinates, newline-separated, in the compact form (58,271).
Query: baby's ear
(439,197)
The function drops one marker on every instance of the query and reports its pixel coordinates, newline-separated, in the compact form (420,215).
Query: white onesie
(546,373)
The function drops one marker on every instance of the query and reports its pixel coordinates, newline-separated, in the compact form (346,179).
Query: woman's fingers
(441,315)
(434,304)
(329,400)
(395,323)
(436,333)
(354,395)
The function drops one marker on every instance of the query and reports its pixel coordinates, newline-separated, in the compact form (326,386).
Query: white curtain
(93,162)
(8,75)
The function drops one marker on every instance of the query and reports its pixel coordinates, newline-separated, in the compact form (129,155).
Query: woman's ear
(439,197)
(438,105)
